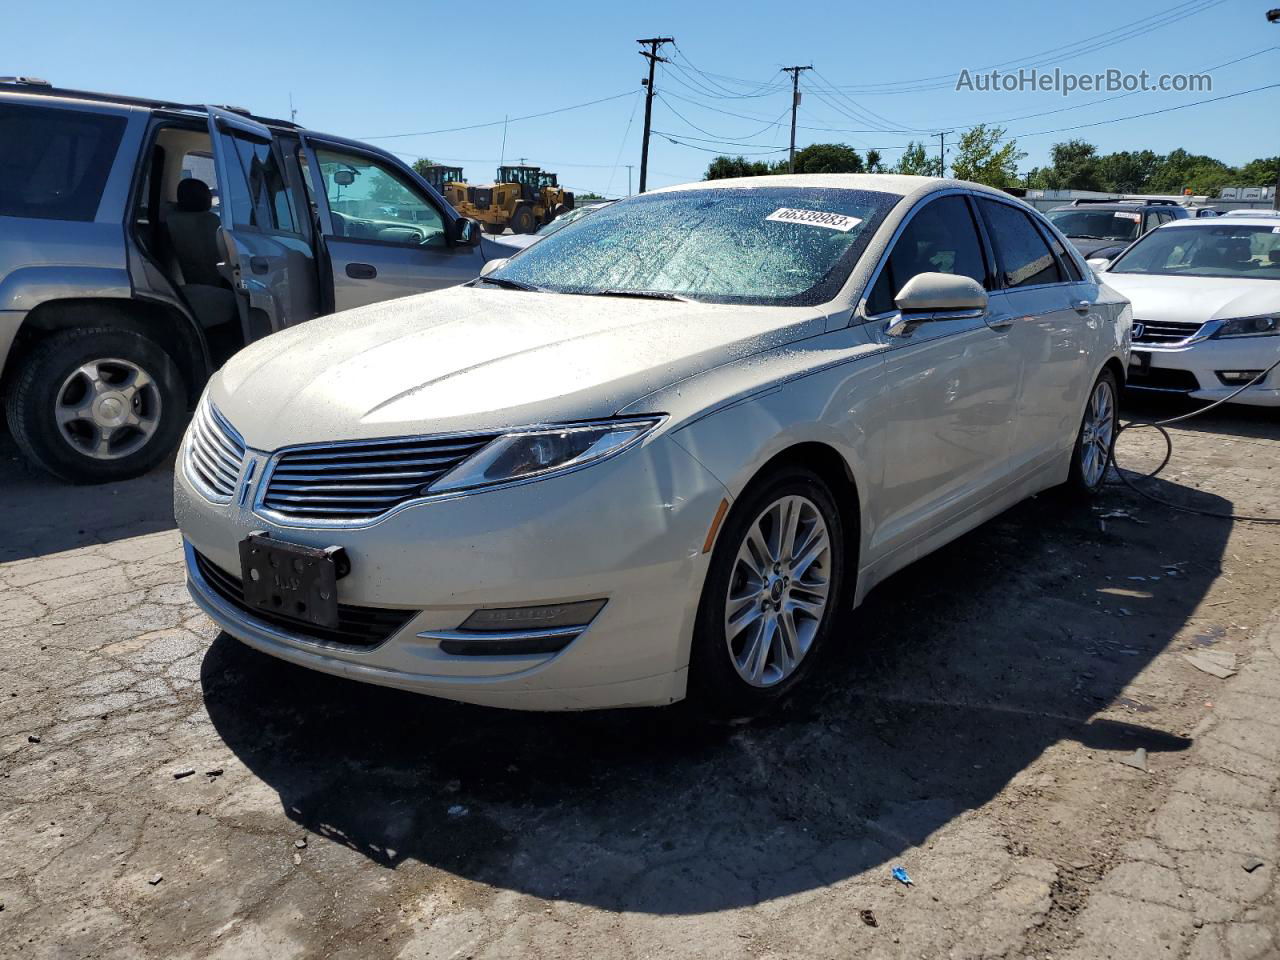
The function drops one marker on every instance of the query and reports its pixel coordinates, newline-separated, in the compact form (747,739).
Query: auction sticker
(815,218)
(1135,217)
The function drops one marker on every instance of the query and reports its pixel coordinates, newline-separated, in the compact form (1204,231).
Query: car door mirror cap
(492,265)
(942,296)
(1098,264)
(466,232)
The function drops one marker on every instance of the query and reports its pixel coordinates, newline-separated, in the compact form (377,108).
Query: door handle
(1082,306)
(361,271)
(259,264)
(1002,322)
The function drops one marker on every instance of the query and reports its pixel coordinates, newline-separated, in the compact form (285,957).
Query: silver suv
(142,243)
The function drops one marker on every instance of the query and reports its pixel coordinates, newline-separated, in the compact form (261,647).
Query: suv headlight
(1249,327)
(541,451)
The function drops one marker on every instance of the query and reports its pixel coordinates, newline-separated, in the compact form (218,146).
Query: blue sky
(367,70)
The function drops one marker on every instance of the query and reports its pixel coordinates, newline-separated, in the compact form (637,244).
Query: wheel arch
(166,325)
(834,470)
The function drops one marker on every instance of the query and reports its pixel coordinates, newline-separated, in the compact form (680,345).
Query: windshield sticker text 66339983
(815,218)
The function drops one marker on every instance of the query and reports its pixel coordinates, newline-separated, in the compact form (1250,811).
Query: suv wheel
(771,594)
(96,404)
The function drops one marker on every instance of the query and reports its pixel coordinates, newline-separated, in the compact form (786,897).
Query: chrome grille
(360,481)
(1167,332)
(215,453)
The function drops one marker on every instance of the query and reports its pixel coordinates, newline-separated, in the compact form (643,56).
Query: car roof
(901,184)
(1254,220)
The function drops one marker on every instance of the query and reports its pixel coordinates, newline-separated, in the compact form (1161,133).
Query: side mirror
(492,265)
(1098,264)
(941,293)
(466,232)
(344,178)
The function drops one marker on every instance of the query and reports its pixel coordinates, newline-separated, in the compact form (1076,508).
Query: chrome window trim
(273,458)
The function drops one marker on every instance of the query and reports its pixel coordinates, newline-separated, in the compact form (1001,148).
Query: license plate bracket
(291,579)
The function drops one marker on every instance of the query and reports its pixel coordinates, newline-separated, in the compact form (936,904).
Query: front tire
(1096,439)
(523,220)
(96,404)
(771,594)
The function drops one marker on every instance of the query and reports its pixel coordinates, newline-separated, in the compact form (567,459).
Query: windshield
(1219,250)
(1097,224)
(763,245)
(562,221)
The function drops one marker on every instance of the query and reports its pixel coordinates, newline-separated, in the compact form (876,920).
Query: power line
(671,138)
(1060,54)
(622,146)
(724,139)
(498,123)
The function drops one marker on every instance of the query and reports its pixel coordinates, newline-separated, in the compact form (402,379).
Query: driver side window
(368,200)
(940,238)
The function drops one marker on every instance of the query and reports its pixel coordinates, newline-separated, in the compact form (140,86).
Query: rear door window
(1023,257)
(54,163)
(259,193)
(940,238)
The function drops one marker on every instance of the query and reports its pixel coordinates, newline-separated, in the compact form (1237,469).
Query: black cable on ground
(1162,426)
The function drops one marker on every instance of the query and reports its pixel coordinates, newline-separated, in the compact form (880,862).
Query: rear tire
(1096,439)
(523,220)
(771,594)
(96,404)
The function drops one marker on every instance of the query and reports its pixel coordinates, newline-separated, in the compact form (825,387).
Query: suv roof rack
(1142,201)
(48,89)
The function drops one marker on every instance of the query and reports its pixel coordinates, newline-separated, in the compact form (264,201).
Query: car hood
(1091,248)
(480,359)
(1194,299)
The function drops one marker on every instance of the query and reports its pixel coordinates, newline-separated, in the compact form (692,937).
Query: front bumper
(629,530)
(1173,367)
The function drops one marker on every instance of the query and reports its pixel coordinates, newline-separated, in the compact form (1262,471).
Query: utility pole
(1273,16)
(942,151)
(652,56)
(629,166)
(795,104)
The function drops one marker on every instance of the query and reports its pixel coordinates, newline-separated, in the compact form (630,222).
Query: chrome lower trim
(504,643)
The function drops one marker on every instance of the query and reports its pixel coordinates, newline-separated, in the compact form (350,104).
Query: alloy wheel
(1097,434)
(107,409)
(778,591)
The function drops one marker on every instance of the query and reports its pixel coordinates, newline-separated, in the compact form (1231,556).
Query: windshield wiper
(640,295)
(509,284)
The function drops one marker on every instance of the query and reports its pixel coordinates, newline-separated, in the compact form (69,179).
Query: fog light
(506,619)
(1233,378)
(516,631)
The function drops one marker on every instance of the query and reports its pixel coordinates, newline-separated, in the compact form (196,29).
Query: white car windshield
(762,245)
(1097,224)
(1222,250)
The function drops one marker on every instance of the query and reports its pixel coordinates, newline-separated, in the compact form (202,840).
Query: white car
(653,454)
(1206,307)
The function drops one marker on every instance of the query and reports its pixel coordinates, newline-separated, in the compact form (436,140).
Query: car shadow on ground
(952,678)
(40,514)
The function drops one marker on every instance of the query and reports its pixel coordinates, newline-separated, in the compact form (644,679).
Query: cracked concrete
(967,728)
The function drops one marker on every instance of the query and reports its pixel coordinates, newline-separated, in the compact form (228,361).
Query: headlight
(1249,327)
(537,452)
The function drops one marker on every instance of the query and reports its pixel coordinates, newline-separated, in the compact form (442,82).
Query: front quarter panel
(824,390)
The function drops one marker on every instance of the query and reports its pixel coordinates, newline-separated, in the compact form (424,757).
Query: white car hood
(482,358)
(1194,299)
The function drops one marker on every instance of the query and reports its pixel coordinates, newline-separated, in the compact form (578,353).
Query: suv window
(1024,258)
(369,201)
(259,195)
(940,238)
(54,163)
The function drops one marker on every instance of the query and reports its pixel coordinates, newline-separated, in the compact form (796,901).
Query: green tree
(915,161)
(1075,167)
(875,164)
(827,158)
(1182,170)
(420,165)
(1259,173)
(722,168)
(1128,171)
(980,157)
